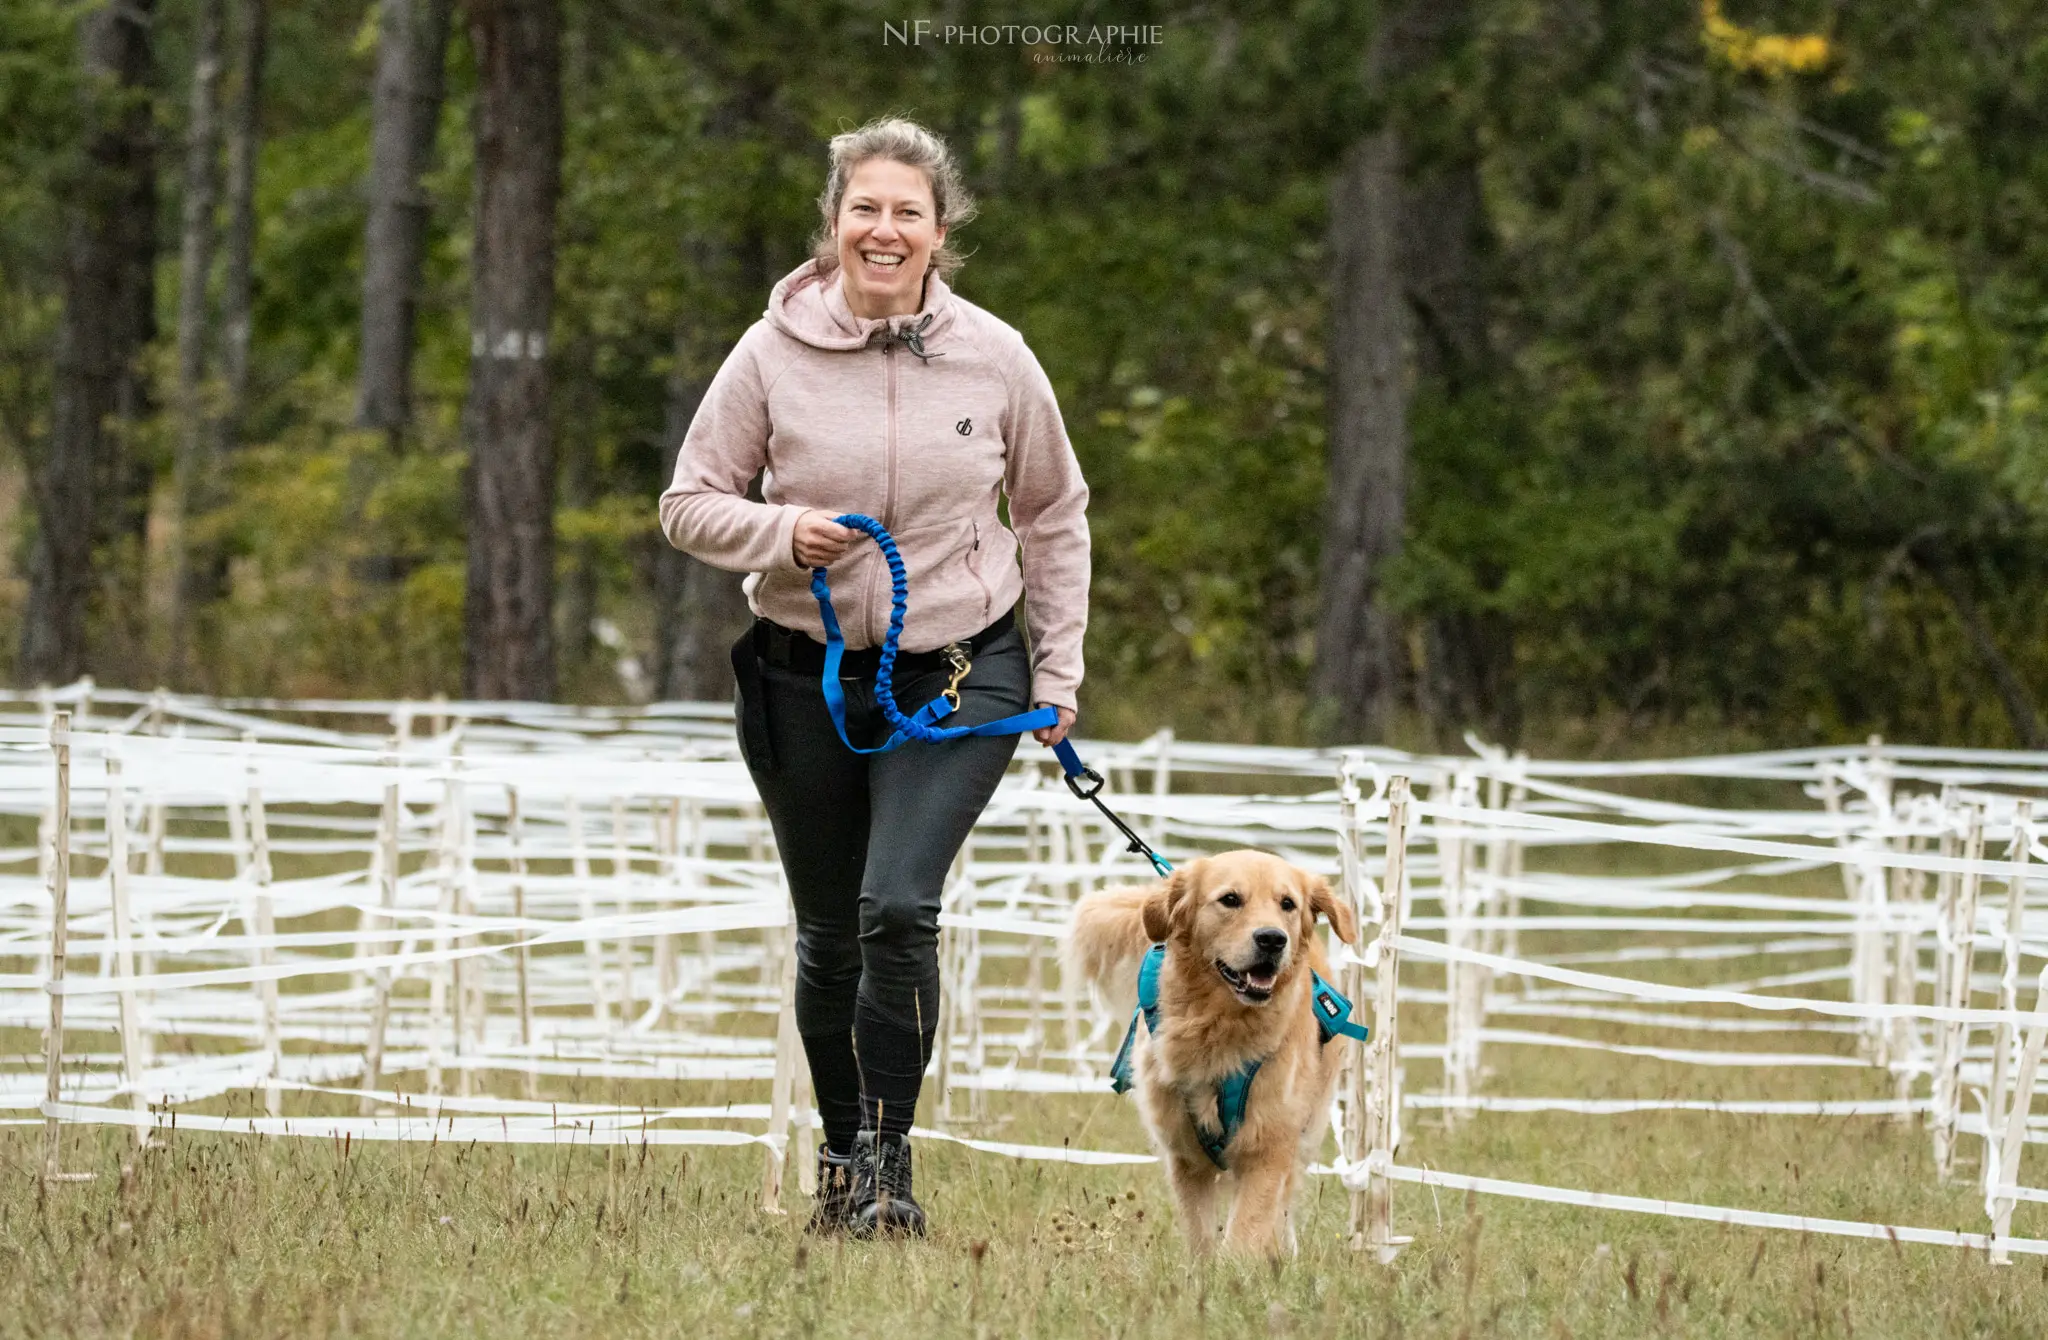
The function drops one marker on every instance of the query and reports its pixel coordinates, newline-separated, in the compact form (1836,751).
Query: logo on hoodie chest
(965,427)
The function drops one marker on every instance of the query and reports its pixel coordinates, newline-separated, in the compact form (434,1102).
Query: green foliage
(347,561)
(1769,326)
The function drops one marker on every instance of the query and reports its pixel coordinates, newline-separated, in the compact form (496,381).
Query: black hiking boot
(882,1204)
(832,1206)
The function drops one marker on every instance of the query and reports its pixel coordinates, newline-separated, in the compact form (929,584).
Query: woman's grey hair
(910,144)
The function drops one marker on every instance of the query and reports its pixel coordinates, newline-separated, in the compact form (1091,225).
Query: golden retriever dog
(1235,987)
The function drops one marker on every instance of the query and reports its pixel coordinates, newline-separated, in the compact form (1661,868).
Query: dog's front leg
(1194,1187)
(1259,1213)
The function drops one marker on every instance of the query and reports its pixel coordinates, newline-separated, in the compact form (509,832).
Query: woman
(869,386)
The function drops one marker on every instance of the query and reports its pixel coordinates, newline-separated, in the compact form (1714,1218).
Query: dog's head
(1247,914)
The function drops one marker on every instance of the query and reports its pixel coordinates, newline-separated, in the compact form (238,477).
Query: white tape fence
(424,918)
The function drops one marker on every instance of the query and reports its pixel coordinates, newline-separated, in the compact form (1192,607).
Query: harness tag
(1333,1013)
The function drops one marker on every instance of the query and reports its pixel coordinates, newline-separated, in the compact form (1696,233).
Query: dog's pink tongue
(1259,977)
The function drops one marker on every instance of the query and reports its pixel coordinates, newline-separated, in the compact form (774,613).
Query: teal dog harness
(1233,1091)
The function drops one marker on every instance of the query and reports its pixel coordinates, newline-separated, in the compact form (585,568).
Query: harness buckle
(956,657)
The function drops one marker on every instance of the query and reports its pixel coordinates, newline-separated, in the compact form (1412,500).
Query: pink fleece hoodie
(847,418)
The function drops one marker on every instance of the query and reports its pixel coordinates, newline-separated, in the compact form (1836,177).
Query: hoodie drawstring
(914,337)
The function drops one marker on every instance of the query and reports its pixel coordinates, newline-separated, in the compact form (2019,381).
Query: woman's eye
(1286,904)
(1231,900)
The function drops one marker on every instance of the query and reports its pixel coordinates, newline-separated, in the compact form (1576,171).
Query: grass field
(239,1236)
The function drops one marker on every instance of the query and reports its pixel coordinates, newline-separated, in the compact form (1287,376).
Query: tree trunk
(1442,244)
(509,647)
(84,488)
(1405,301)
(195,272)
(1358,649)
(412,45)
(238,287)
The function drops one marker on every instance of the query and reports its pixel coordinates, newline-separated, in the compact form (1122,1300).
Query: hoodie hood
(809,306)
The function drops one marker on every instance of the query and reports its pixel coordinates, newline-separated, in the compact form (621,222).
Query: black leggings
(866,841)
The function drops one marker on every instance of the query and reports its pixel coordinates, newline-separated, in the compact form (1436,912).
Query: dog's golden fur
(1207,914)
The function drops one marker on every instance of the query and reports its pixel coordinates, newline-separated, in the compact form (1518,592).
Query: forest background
(1591,374)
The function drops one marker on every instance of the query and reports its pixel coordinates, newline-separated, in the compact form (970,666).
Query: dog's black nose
(1269,941)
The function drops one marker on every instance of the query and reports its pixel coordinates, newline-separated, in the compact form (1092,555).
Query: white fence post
(385,865)
(1955,1037)
(515,836)
(2005,1040)
(2015,1133)
(60,915)
(134,1052)
(788,1056)
(1372,1211)
(269,1034)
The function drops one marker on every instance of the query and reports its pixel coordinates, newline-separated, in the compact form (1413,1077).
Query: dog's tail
(1106,940)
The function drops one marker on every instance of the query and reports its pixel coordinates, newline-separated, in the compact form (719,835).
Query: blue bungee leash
(923,724)
(1082,780)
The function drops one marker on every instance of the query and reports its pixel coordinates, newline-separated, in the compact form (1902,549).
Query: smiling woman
(870,387)
(885,235)
(894,191)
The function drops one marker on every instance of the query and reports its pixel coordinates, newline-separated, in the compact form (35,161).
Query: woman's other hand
(819,541)
(1053,734)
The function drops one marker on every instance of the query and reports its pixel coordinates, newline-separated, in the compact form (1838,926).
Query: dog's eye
(1286,904)
(1231,900)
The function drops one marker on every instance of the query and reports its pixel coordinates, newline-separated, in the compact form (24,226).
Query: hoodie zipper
(889,503)
(889,457)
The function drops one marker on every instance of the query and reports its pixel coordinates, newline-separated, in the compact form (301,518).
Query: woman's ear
(1326,904)
(1166,909)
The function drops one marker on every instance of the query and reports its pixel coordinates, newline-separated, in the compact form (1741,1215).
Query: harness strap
(923,725)
(1233,1091)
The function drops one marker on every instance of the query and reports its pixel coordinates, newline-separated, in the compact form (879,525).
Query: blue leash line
(1086,783)
(924,724)
(1082,780)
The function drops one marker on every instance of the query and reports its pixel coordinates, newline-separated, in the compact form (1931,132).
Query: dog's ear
(1167,908)
(1337,911)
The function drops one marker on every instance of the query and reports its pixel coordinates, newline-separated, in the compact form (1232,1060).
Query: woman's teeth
(882,260)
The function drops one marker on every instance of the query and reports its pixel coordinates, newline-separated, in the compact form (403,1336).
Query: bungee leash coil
(1082,780)
(923,725)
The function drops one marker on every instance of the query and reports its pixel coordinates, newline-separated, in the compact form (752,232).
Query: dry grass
(219,1236)
(224,1236)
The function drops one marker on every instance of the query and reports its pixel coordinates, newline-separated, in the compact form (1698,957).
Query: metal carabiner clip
(956,657)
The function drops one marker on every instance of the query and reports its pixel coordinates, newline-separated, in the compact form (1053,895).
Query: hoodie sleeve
(705,512)
(1049,511)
